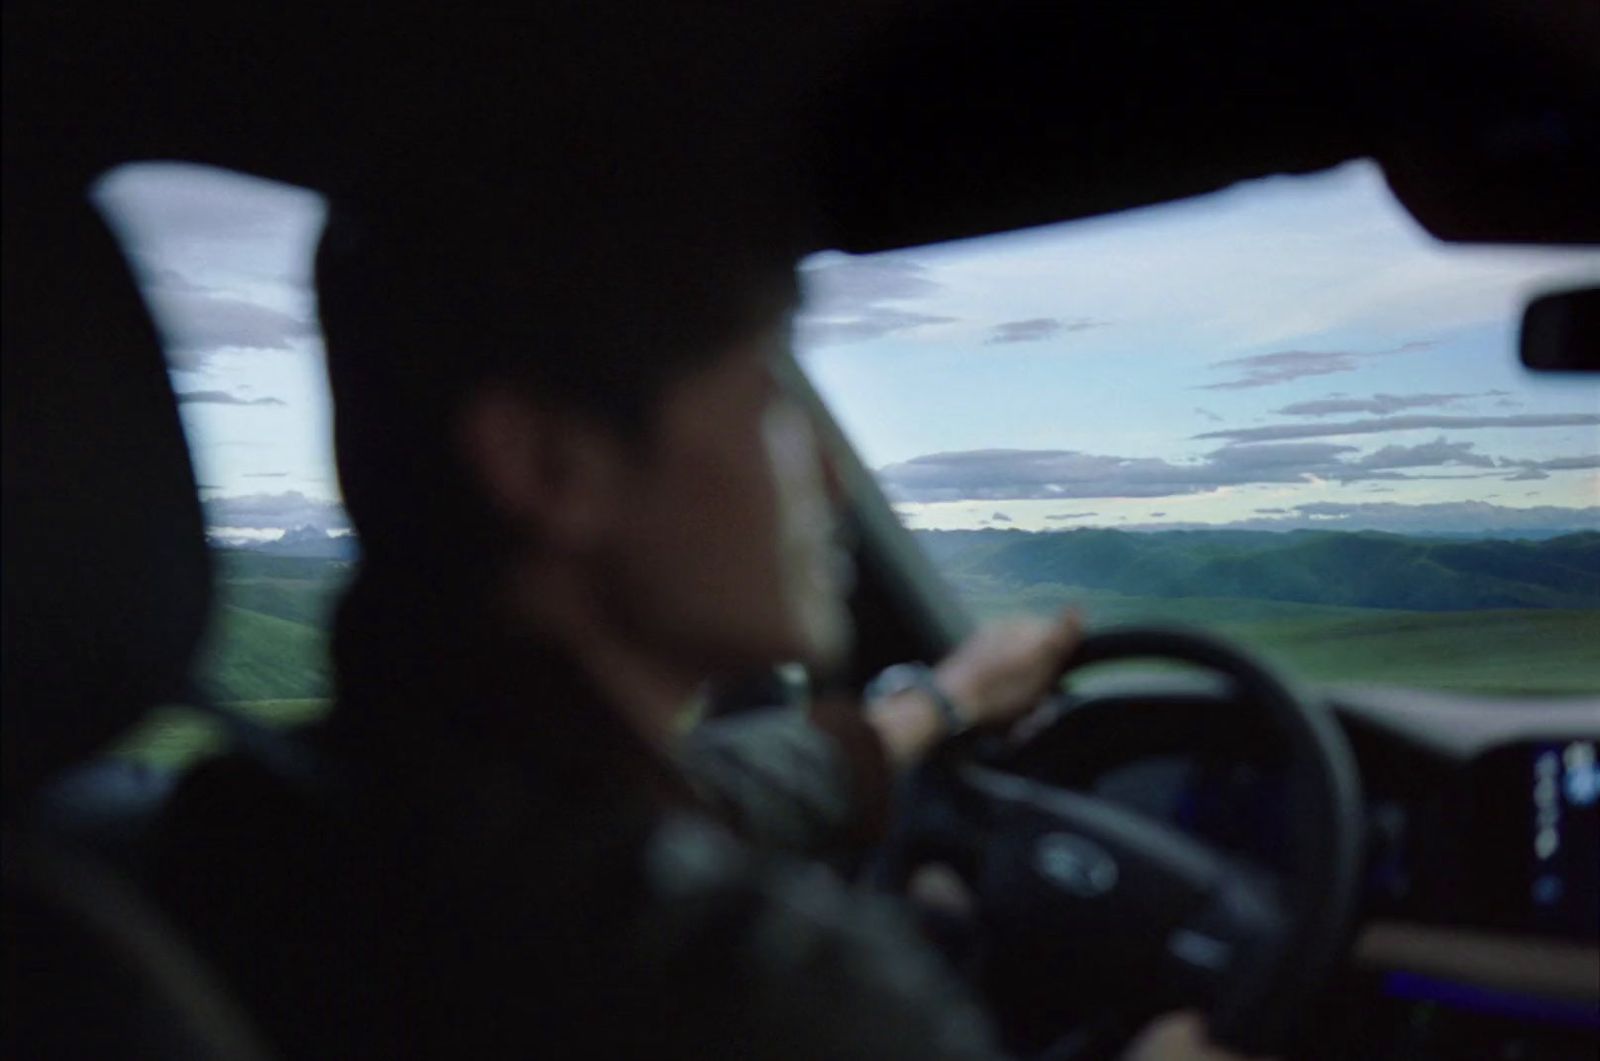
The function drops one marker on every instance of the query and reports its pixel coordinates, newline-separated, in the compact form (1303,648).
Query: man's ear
(554,474)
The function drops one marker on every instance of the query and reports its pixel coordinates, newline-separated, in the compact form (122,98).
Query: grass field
(251,656)
(1534,650)
(266,654)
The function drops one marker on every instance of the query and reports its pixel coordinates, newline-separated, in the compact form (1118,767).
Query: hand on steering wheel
(992,679)
(1084,900)
(1005,670)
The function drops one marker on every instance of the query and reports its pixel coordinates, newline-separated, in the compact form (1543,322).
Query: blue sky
(1288,351)
(224,261)
(1311,311)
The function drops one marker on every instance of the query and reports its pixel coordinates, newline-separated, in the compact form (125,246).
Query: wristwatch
(904,677)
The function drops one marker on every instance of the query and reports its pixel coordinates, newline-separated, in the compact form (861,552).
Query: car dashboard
(1478,932)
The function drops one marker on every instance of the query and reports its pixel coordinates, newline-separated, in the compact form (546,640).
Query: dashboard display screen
(1562,837)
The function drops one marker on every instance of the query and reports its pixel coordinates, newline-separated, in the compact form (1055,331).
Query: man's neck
(649,691)
(651,697)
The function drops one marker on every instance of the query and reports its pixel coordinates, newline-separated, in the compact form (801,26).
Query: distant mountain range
(1351,569)
(1439,519)
(1532,534)
(311,543)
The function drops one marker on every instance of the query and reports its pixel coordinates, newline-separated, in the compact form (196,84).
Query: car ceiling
(910,122)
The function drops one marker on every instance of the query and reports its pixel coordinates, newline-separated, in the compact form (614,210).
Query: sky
(1289,352)
(224,262)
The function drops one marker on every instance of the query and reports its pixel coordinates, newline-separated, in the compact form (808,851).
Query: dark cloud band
(1010,475)
(284,511)
(1378,404)
(1287,432)
(222,398)
(1284,366)
(1036,328)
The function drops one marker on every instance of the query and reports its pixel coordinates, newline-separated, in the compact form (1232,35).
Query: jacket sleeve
(813,782)
(799,965)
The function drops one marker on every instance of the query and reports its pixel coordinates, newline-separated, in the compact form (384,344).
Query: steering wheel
(1084,906)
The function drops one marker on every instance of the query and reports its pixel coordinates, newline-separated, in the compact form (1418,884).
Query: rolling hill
(268,634)
(1363,570)
(1485,616)
(1327,605)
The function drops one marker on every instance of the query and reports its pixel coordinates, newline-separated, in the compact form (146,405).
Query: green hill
(1489,616)
(1328,605)
(1486,616)
(1534,650)
(295,588)
(251,656)
(268,635)
(1365,570)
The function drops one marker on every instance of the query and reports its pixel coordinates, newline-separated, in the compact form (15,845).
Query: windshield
(1281,413)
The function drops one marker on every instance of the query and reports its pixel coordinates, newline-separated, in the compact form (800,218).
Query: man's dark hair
(596,294)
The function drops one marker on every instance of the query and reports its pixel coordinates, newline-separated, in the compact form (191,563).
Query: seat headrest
(106,578)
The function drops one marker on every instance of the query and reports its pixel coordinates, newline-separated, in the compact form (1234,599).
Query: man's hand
(993,678)
(1004,671)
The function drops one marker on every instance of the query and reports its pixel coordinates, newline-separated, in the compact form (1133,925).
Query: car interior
(1361,886)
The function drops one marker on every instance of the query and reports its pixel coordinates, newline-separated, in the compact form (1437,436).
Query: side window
(225,265)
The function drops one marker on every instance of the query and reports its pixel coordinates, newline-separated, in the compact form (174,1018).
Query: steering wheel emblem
(1075,864)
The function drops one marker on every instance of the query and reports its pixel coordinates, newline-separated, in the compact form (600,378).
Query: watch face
(894,680)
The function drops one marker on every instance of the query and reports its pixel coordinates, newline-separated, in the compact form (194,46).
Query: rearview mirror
(1561,331)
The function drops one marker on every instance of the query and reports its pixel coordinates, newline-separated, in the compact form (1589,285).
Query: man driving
(581,496)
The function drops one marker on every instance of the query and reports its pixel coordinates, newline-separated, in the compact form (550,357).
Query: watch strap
(903,677)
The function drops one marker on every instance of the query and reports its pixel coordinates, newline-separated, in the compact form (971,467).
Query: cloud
(1004,475)
(1036,328)
(194,323)
(853,299)
(1283,432)
(1378,404)
(222,398)
(1272,511)
(1025,331)
(1208,414)
(1535,470)
(843,284)
(1157,515)
(282,511)
(873,323)
(168,280)
(1000,517)
(192,202)
(1072,515)
(217,254)
(265,475)
(1563,464)
(1426,455)
(1012,474)
(1282,366)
